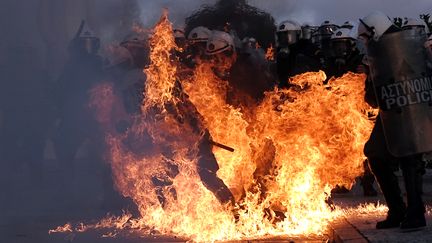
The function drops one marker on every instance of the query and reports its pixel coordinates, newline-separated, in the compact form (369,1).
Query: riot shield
(403,87)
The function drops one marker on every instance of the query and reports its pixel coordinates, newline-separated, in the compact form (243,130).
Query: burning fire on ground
(290,150)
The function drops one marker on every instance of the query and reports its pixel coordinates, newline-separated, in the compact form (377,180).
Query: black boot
(384,172)
(413,170)
(393,220)
(413,222)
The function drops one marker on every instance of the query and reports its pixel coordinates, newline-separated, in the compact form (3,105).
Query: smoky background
(33,53)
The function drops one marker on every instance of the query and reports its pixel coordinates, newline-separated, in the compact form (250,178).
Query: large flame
(289,151)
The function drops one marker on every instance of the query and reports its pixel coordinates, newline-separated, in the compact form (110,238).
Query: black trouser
(207,168)
(71,135)
(413,170)
(367,179)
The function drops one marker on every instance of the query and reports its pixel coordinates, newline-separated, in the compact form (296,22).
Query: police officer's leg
(383,169)
(207,168)
(413,170)
(34,154)
(67,144)
(163,183)
(367,181)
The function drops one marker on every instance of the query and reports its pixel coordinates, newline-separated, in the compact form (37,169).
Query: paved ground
(27,213)
(361,227)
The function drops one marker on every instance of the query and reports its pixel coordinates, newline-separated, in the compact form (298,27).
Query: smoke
(178,10)
(304,11)
(33,50)
(339,11)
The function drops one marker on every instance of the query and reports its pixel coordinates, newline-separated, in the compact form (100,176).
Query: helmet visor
(288,37)
(365,30)
(327,30)
(197,48)
(306,33)
(341,48)
(415,30)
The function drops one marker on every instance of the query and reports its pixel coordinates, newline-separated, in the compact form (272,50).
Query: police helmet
(118,56)
(415,26)
(327,28)
(139,49)
(342,42)
(179,37)
(199,34)
(220,42)
(348,25)
(288,32)
(85,40)
(179,33)
(374,25)
(307,32)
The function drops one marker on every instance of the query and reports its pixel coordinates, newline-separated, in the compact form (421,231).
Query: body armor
(403,87)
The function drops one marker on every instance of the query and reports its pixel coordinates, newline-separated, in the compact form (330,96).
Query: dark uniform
(83,70)
(297,58)
(249,78)
(188,119)
(338,66)
(384,164)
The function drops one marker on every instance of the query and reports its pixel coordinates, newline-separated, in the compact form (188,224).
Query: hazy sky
(311,11)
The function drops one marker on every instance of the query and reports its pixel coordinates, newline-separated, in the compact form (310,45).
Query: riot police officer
(294,54)
(83,70)
(325,32)
(197,40)
(395,140)
(245,68)
(180,37)
(128,65)
(345,56)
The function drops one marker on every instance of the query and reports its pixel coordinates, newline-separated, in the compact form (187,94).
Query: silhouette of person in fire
(187,124)
(180,113)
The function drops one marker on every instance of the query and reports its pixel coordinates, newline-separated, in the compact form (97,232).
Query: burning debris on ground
(198,134)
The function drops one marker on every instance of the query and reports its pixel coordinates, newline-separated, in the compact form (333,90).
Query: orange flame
(270,53)
(62,229)
(161,72)
(290,150)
